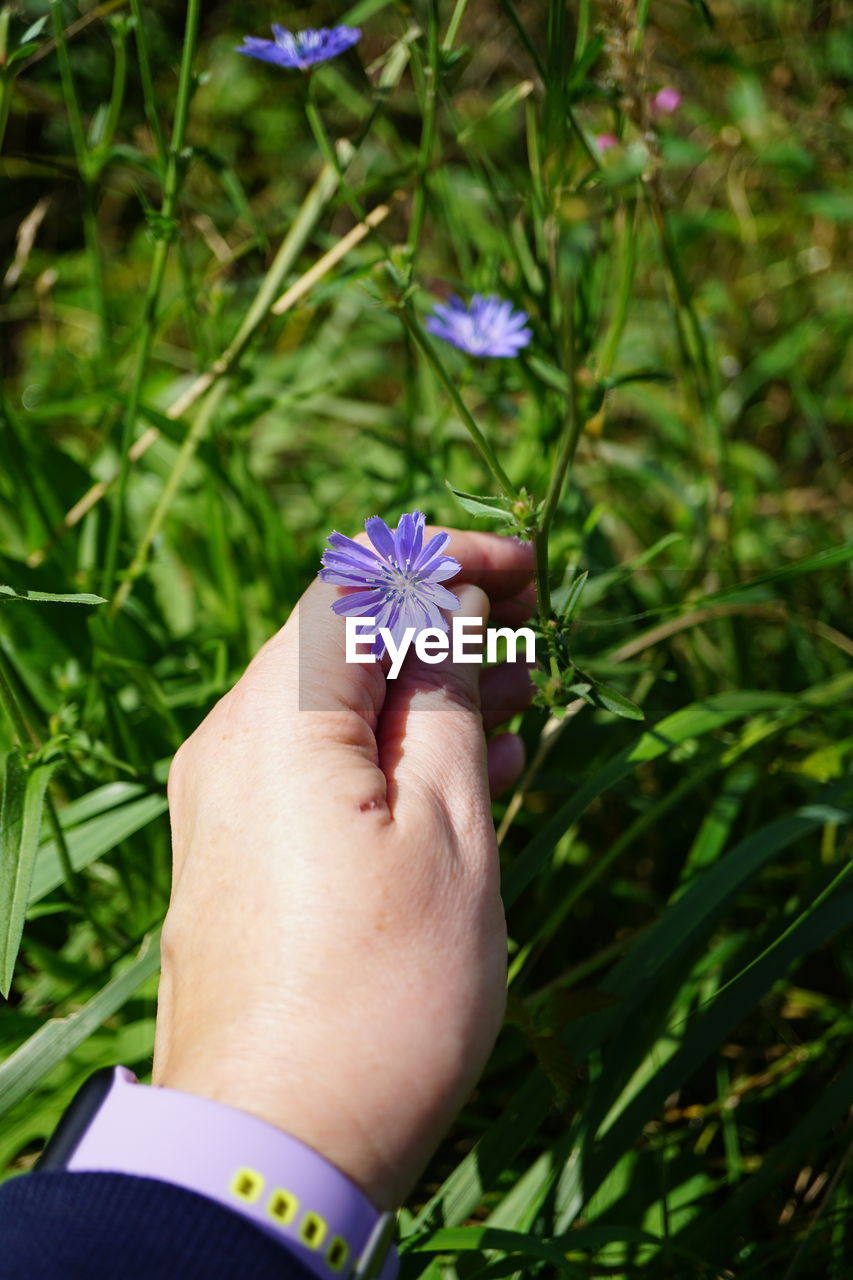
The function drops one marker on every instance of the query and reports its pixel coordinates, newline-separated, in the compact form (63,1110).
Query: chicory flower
(486,327)
(300,49)
(399,581)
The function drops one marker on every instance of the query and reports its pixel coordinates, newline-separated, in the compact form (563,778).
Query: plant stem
(158,268)
(329,153)
(572,427)
(521,31)
(582,31)
(485,450)
(185,455)
(24,734)
(117,94)
(419,200)
(9,702)
(89,211)
(453,24)
(626,263)
(69,875)
(149,93)
(6,90)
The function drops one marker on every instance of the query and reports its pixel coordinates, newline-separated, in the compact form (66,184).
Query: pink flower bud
(605,141)
(665,101)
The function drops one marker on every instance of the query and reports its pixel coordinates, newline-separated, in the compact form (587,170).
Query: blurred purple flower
(605,141)
(300,49)
(665,101)
(487,327)
(400,581)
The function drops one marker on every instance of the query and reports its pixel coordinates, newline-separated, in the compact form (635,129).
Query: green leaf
(463,1239)
(573,597)
(54,1041)
(24,785)
(707,1029)
(604,695)
(549,374)
(832,558)
(691,722)
(831,1106)
(93,838)
(638,375)
(34,30)
(498,508)
(48,597)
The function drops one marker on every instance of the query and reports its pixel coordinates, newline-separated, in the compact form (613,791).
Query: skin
(334,954)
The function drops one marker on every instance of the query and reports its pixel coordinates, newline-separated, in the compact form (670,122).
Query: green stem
(188,447)
(329,153)
(521,31)
(582,33)
(572,427)
(485,450)
(84,165)
(288,251)
(149,93)
(25,735)
(69,875)
(453,24)
(9,702)
(117,94)
(158,269)
(7,82)
(625,268)
(428,129)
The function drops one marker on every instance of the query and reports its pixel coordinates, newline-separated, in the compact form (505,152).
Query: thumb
(431,741)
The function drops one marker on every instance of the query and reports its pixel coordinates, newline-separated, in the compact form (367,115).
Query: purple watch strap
(285,1187)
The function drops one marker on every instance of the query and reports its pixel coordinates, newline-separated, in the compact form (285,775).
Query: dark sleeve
(111,1226)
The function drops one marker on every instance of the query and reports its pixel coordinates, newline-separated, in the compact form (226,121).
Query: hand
(334,954)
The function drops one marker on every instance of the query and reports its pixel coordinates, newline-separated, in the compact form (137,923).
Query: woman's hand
(334,954)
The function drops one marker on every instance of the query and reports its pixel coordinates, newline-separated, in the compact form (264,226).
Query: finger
(514,611)
(505,755)
(502,567)
(431,741)
(505,690)
(304,665)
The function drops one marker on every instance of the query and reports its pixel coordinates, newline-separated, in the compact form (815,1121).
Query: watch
(117,1125)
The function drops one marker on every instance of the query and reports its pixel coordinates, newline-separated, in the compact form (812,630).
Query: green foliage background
(672,1092)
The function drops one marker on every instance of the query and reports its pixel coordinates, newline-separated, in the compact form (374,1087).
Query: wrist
(303,1109)
(284,1187)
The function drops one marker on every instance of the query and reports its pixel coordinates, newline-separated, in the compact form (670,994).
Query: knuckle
(456,691)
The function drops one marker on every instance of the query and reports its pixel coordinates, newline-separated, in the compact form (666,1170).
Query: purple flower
(487,327)
(399,581)
(605,141)
(665,101)
(300,49)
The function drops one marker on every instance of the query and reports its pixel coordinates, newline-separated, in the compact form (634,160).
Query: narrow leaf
(573,597)
(59,1037)
(496,507)
(615,702)
(24,785)
(48,597)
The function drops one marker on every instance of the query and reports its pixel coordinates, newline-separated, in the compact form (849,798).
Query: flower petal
(359,554)
(408,538)
(350,578)
(359,603)
(431,551)
(438,595)
(381,536)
